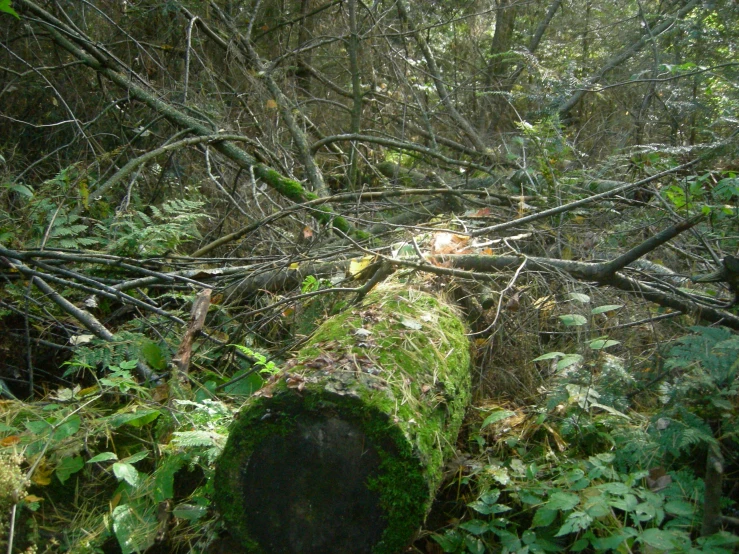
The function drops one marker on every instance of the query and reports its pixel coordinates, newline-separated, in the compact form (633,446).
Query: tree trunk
(344,450)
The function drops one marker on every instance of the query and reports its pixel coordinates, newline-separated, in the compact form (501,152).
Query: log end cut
(336,478)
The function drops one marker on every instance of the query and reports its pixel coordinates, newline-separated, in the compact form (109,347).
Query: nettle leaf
(543,517)
(658,538)
(126,472)
(576,521)
(134,529)
(573,320)
(569,360)
(68,428)
(563,501)
(69,466)
(475,526)
(154,355)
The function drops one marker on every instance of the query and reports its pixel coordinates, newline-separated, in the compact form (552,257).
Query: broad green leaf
(607,308)
(568,360)
(548,356)
(474,545)
(134,530)
(102,457)
(138,418)
(600,344)
(496,417)
(475,526)
(490,496)
(23,190)
(191,512)
(680,508)
(596,506)
(39,427)
(136,457)
(579,297)
(602,544)
(721,538)
(529,498)
(245,386)
(573,320)
(543,517)
(563,501)
(164,477)
(154,355)
(126,472)
(657,538)
(575,522)
(6,7)
(70,426)
(449,541)
(68,466)
(488,509)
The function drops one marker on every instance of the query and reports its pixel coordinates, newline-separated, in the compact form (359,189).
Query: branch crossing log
(344,450)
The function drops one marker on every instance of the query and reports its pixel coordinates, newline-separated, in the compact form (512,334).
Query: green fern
(700,396)
(169,225)
(103,354)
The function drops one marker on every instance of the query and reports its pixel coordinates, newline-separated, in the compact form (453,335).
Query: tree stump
(344,451)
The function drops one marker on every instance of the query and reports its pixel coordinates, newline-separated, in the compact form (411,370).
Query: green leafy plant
(6,7)
(260,360)
(603,490)
(169,225)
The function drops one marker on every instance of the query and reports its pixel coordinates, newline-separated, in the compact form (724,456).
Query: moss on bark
(344,451)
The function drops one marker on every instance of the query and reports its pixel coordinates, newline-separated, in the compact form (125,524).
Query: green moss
(406,388)
(293,190)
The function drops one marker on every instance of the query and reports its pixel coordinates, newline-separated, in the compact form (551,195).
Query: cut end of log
(308,490)
(319,476)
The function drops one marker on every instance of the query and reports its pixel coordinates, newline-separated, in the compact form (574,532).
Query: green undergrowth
(609,458)
(587,469)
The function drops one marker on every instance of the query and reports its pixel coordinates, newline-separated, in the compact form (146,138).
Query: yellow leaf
(32,498)
(88,391)
(42,475)
(10,441)
(271,104)
(358,265)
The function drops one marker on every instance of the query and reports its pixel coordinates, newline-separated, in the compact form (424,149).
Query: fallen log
(344,450)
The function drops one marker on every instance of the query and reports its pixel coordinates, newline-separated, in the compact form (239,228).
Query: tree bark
(344,450)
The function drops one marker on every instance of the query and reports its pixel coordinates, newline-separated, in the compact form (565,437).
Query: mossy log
(344,451)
